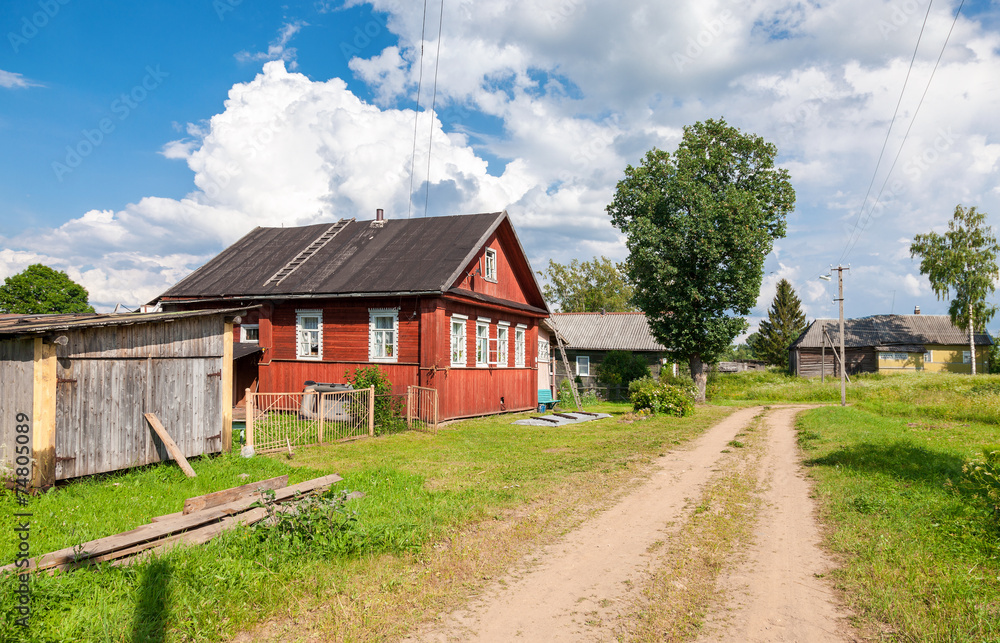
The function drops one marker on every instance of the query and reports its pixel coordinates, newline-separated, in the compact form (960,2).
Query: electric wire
(885,143)
(430,138)
(416,111)
(899,152)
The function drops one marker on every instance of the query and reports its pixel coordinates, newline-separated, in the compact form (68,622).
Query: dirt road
(582,587)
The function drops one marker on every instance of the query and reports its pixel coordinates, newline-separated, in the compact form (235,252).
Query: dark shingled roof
(900,333)
(403,256)
(608,331)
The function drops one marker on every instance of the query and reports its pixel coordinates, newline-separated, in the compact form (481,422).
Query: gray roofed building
(607,331)
(885,342)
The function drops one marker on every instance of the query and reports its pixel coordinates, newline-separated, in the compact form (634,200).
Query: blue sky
(139,140)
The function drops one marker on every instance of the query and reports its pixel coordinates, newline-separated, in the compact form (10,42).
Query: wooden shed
(82,384)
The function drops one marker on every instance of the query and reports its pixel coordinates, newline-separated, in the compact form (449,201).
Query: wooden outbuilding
(449,303)
(76,388)
(887,343)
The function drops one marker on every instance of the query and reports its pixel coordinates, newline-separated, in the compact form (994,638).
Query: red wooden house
(449,303)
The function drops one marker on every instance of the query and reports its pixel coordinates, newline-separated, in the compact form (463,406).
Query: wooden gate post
(250,417)
(409,407)
(371,411)
(319,428)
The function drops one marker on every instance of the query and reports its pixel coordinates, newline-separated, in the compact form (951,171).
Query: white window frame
(966,357)
(490,265)
(482,342)
(373,333)
(583,364)
(461,337)
(520,334)
(503,345)
(299,334)
(927,357)
(544,352)
(243,333)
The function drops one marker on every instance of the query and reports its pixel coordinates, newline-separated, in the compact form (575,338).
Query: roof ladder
(307,252)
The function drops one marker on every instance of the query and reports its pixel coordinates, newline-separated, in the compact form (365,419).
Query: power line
(895,112)
(430,138)
(899,152)
(416,111)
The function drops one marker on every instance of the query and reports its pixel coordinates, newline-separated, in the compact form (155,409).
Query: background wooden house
(590,336)
(887,343)
(449,303)
(84,382)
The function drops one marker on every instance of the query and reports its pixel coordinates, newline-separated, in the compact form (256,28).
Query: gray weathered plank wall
(109,377)
(16,386)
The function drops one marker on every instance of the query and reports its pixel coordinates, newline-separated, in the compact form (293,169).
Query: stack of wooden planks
(203,518)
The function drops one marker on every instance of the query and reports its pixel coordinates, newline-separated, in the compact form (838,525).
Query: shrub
(647,393)
(388,415)
(621,367)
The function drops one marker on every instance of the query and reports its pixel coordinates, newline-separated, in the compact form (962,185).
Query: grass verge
(920,561)
(442,514)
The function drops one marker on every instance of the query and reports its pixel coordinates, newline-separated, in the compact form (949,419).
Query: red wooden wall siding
(509,284)
(475,391)
(287,376)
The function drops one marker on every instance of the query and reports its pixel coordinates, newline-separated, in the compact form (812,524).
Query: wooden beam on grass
(210,500)
(157,533)
(168,441)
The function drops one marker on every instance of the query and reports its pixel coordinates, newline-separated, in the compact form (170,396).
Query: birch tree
(962,261)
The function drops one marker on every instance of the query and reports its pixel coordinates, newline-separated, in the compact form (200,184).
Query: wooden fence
(277,421)
(421,408)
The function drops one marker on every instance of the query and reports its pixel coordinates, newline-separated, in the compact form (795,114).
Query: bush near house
(669,399)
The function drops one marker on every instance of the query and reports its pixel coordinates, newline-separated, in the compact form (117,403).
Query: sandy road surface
(577,588)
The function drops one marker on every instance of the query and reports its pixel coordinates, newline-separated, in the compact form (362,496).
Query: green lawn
(380,572)
(919,553)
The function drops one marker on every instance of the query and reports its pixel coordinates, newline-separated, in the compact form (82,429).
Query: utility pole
(843,363)
(840,299)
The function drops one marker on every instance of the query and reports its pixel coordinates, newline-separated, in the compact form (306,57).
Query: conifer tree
(785,322)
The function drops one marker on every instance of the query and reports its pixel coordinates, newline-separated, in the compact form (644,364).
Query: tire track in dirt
(779,593)
(574,589)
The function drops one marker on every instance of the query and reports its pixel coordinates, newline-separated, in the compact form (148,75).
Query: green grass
(423,491)
(919,559)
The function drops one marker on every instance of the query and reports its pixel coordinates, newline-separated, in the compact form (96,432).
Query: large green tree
(587,287)
(963,260)
(39,289)
(785,322)
(699,223)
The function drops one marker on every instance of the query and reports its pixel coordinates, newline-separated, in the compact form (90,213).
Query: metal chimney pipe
(916,310)
(379,215)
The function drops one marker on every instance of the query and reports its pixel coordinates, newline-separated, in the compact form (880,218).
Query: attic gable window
(383,335)
(309,334)
(490,269)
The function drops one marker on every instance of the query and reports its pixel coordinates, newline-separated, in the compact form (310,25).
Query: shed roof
(891,332)
(14,325)
(606,331)
(401,256)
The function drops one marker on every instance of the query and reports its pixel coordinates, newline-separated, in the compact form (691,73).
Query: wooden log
(167,517)
(172,447)
(153,533)
(217,498)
